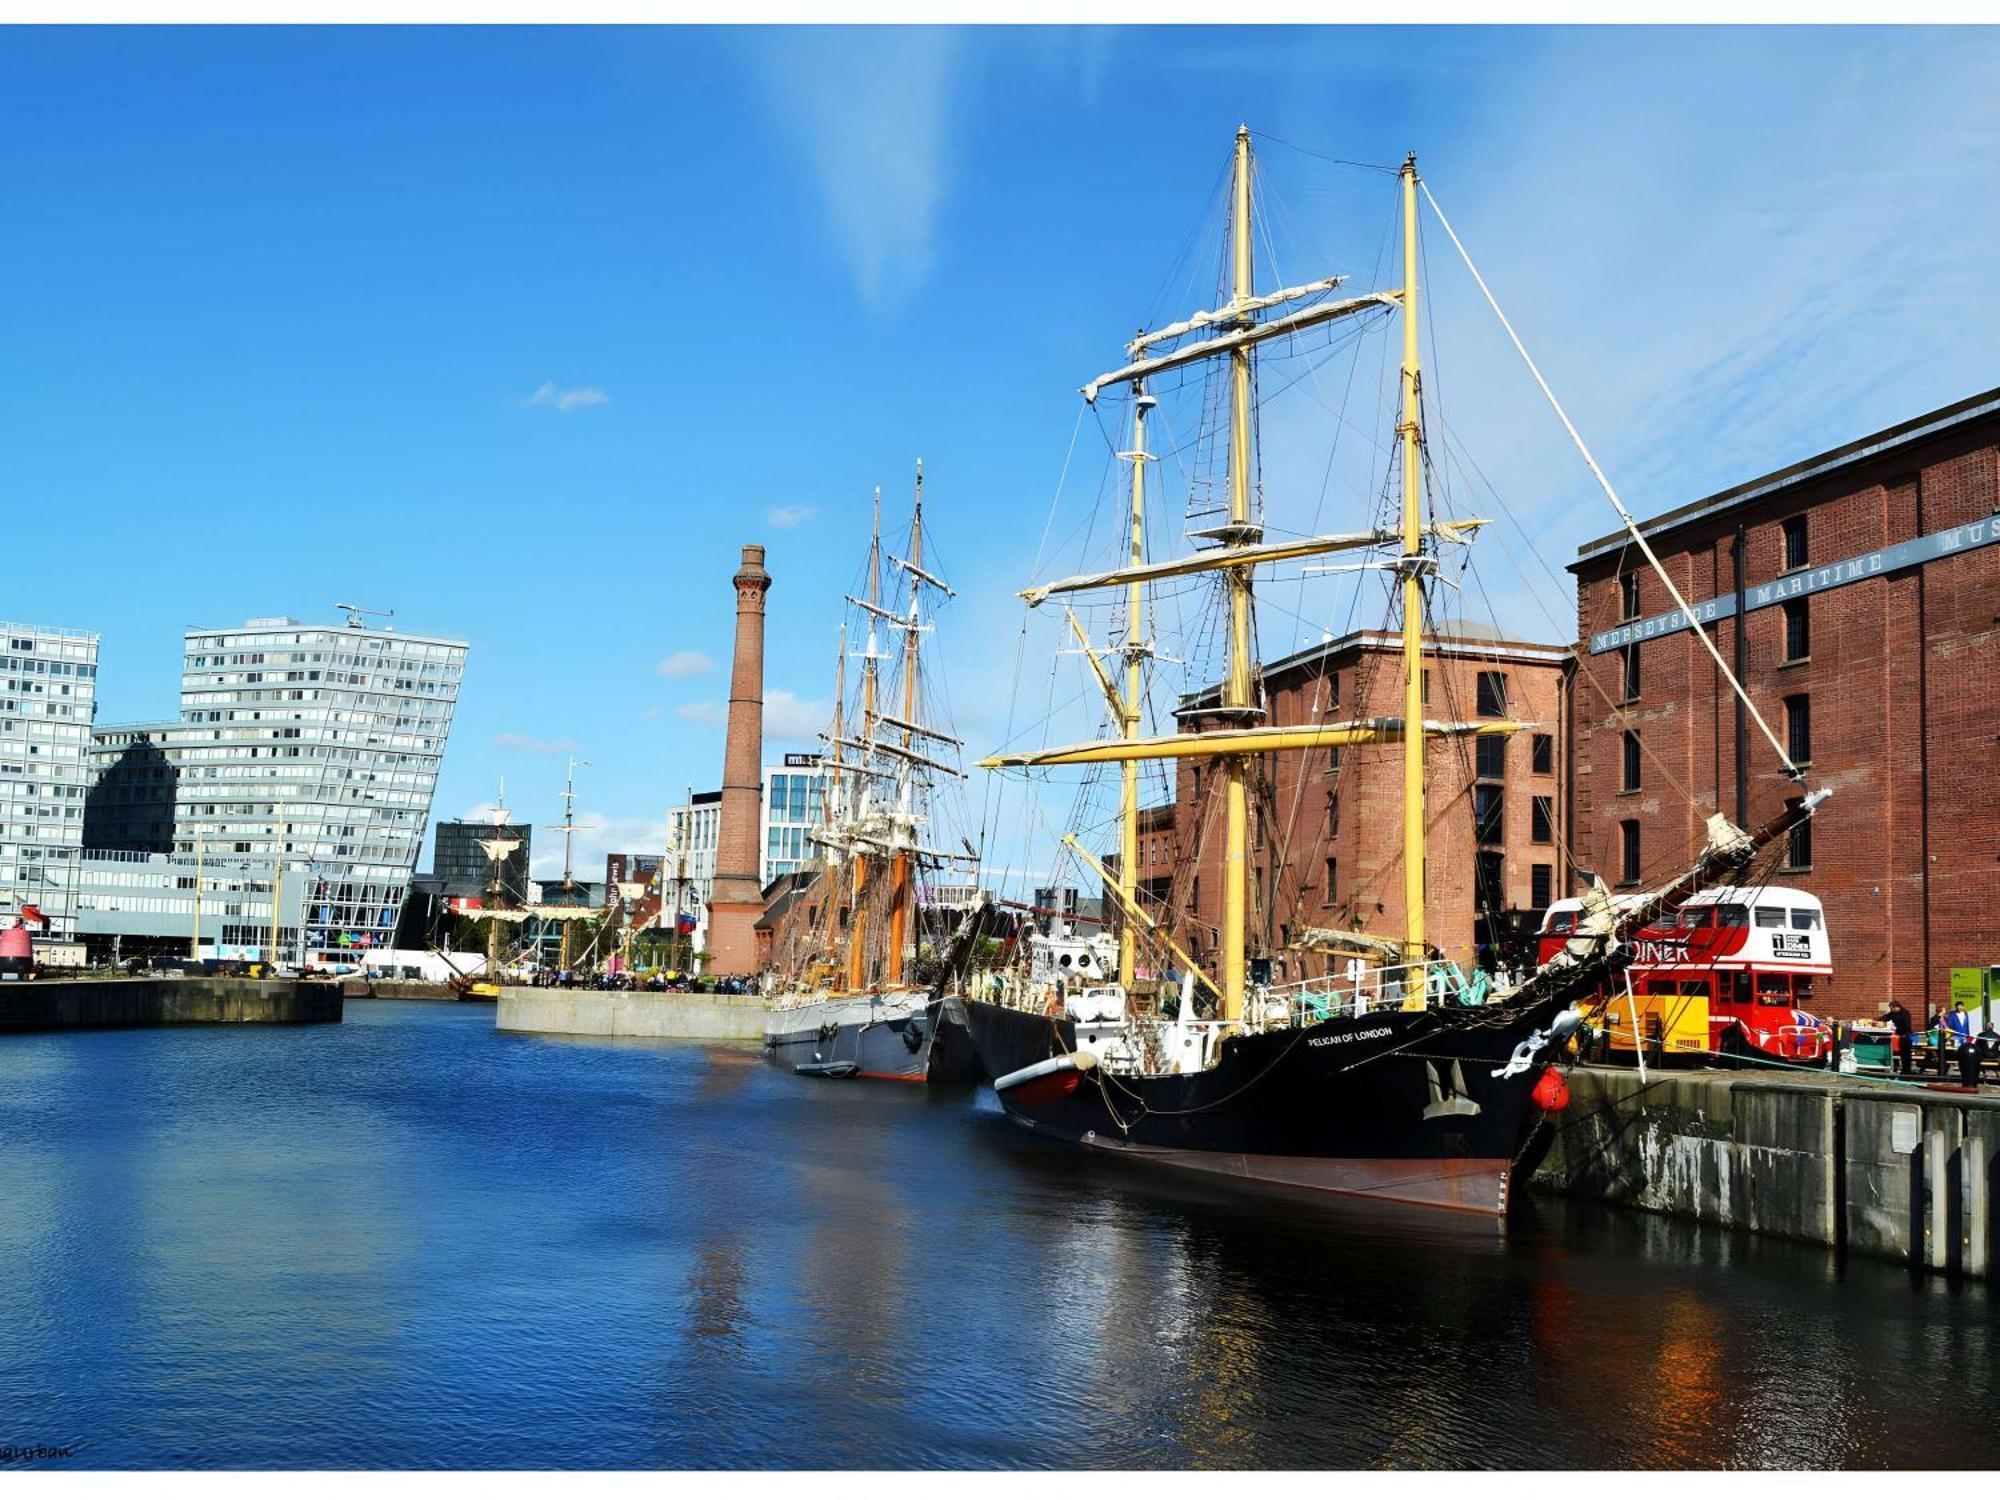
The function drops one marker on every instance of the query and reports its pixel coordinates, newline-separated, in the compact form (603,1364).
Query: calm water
(409,1240)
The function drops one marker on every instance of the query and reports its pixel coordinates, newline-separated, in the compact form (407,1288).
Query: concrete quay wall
(704,1018)
(1898,1172)
(64,1004)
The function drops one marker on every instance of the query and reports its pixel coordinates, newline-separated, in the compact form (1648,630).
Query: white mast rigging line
(1631,525)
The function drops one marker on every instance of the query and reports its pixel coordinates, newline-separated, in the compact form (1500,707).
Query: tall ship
(1384,1071)
(867,989)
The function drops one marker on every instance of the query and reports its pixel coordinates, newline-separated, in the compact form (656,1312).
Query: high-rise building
(312,746)
(48,697)
(332,734)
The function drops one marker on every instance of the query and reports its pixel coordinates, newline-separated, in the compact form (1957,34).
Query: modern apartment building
(48,697)
(311,747)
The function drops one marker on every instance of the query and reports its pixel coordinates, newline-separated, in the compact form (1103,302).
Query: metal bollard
(1937,1176)
(1975,1165)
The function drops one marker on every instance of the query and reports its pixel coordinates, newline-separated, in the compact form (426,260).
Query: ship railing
(1307,1002)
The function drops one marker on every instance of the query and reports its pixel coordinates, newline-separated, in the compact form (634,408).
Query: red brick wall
(1293,842)
(1905,730)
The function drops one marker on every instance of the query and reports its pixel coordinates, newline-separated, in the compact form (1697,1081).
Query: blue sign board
(1805,581)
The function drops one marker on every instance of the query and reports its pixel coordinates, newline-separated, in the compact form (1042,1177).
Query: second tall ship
(857,994)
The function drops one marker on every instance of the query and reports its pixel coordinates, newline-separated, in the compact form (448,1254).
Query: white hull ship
(852,1005)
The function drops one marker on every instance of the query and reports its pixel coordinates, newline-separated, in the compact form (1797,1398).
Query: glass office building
(48,698)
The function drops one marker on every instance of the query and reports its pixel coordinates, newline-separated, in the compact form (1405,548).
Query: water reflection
(412,1241)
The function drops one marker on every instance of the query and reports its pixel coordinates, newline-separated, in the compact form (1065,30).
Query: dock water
(1896,1171)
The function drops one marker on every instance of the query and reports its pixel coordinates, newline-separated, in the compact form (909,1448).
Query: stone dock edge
(98,1004)
(1899,1172)
(630,1013)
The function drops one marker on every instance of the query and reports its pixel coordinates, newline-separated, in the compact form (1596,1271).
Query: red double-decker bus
(1748,957)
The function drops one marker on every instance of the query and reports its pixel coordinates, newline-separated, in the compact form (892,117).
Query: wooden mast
(830,801)
(857,956)
(899,862)
(1410,430)
(1236,687)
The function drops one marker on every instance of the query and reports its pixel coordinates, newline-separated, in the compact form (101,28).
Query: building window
(1628,852)
(1332,813)
(1798,843)
(1542,754)
(1333,689)
(1332,882)
(1490,755)
(1630,658)
(1492,871)
(1798,631)
(1798,729)
(1628,597)
(1541,886)
(1488,813)
(1492,694)
(1427,684)
(1631,778)
(1795,543)
(1333,757)
(1542,821)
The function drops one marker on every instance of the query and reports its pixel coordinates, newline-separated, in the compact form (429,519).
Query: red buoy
(1551,1092)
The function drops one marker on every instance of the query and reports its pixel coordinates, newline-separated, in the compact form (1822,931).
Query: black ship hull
(1397,1105)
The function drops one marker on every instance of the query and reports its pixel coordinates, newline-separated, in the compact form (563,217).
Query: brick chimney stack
(738,898)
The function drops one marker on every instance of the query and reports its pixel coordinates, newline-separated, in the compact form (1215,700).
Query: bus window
(1694,918)
(1804,919)
(1774,989)
(1802,990)
(1731,915)
(1770,916)
(1560,922)
(1739,986)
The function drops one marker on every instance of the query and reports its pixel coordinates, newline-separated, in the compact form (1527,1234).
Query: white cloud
(785,517)
(790,717)
(685,664)
(597,834)
(787,716)
(510,740)
(870,110)
(648,715)
(547,395)
(705,711)
(481,812)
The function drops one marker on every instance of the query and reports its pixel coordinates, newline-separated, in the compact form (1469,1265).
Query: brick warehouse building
(1870,582)
(1329,823)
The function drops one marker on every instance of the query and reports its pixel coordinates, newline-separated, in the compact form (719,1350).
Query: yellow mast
(1129,705)
(1236,689)
(857,972)
(277,883)
(899,862)
(194,948)
(1410,431)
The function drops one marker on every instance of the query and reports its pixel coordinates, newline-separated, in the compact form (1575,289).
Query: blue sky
(522,333)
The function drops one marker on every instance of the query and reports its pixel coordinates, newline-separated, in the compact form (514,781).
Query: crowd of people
(1950,1037)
